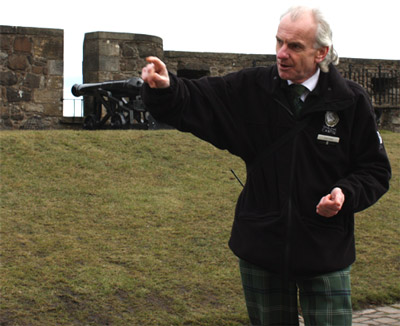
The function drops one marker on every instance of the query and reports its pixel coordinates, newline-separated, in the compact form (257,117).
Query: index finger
(158,64)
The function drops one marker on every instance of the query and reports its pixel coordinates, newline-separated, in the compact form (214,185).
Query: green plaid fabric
(325,300)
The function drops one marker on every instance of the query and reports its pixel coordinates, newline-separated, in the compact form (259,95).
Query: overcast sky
(361,29)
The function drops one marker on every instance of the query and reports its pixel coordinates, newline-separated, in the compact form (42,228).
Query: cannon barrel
(123,87)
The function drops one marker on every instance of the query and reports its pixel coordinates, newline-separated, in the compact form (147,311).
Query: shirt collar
(310,83)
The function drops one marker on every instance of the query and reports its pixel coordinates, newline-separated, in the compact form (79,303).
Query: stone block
(47,96)
(39,62)
(109,63)
(53,109)
(90,64)
(4,111)
(103,63)
(8,78)
(50,48)
(38,70)
(146,49)
(90,47)
(90,76)
(11,112)
(109,48)
(33,123)
(128,65)
(16,114)
(105,76)
(32,81)
(55,67)
(18,62)
(3,95)
(101,47)
(5,42)
(55,82)
(129,50)
(18,95)
(5,123)
(3,58)
(32,107)
(22,44)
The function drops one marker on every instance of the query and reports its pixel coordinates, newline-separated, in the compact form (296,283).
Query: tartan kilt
(325,300)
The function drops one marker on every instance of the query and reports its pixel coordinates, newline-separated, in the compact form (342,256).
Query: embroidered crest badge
(331,119)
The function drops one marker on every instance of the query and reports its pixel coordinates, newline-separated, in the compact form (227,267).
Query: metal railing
(73,107)
(381,84)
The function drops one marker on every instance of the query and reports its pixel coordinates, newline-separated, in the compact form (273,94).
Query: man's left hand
(331,204)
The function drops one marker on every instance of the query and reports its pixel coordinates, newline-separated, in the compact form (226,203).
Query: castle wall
(116,56)
(212,64)
(31,81)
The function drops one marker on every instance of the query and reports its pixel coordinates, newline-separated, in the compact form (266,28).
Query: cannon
(121,101)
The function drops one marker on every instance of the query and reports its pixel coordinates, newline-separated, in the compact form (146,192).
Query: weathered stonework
(212,64)
(31,77)
(390,119)
(31,72)
(115,56)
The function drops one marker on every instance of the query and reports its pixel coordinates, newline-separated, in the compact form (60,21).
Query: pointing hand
(155,73)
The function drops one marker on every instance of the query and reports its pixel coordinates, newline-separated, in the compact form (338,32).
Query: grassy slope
(131,228)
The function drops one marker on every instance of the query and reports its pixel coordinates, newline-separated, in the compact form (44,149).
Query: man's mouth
(284,66)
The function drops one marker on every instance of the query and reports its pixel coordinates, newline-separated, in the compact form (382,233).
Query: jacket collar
(332,91)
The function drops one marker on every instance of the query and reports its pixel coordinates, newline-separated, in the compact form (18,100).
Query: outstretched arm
(155,73)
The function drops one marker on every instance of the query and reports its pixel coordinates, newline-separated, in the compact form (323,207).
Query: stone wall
(363,71)
(198,64)
(31,81)
(390,119)
(116,56)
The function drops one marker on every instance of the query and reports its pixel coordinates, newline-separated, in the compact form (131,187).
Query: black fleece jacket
(276,225)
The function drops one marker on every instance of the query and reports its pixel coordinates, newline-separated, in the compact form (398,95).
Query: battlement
(32,76)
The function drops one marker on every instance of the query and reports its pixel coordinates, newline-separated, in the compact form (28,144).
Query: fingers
(337,195)
(156,62)
(155,73)
(326,207)
(148,75)
(331,204)
(327,211)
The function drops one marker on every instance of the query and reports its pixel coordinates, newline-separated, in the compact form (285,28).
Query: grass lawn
(131,228)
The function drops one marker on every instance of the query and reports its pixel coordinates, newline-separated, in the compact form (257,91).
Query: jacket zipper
(289,215)
(290,205)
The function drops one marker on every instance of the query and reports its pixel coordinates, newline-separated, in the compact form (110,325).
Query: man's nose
(282,52)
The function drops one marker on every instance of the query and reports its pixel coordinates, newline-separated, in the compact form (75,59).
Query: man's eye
(296,47)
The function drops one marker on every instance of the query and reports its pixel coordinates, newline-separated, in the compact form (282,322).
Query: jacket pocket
(318,222)
(259,216)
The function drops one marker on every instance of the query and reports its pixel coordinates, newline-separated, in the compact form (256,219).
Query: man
(312,161)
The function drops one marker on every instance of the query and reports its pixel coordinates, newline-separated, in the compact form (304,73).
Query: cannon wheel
(118,120)
(90,122)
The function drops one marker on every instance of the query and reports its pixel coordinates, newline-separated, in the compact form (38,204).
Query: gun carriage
(121,101)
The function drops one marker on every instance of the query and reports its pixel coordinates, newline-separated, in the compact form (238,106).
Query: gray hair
(323,35)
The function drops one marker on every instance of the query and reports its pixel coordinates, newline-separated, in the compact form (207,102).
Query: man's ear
(321,54)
